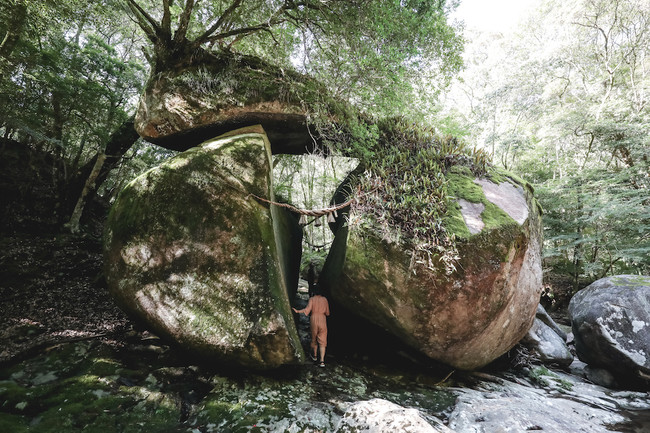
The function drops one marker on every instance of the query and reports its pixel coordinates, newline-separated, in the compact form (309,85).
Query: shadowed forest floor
(51,291)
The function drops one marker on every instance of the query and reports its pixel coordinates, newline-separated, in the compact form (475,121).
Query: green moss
(630,280)
(201,198)
(454,222)
(84,398)
(13,423)
(461,170)
(494,217)
(499,175)
(463,186)
(12,396)
(244,416)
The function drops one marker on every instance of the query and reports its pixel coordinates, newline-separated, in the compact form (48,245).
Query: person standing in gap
(317,309)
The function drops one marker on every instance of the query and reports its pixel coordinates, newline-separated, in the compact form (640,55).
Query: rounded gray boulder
(611,324)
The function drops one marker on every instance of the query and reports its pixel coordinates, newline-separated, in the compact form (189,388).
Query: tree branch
(145,21)
(273,20)
(245,31)
(184,21)
(206,35)
(166,23)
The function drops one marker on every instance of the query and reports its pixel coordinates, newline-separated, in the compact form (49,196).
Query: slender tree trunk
(16,19)
(73,224)
(118,144)
(57,126)
(75,163)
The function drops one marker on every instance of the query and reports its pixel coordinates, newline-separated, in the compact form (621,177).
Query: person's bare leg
(322,354)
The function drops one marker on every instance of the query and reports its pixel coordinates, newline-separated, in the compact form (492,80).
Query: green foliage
(406,187)
(540,375)
(140,158)
(68,84)
(385,57)
(564,102)
(597,224)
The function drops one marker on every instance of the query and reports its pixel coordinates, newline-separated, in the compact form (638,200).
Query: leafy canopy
(368,52)
(566,102)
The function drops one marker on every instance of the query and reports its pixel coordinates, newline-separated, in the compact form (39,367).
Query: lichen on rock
(611,323)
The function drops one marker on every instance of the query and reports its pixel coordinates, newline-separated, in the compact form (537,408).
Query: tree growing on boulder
(351,45)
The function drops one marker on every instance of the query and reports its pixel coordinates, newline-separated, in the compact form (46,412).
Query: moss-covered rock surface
(190,253)
(466,316)
(144,387)
(181,107)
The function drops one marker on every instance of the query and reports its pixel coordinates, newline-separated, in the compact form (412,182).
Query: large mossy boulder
(466,318)
(610,319)
(184,106)
(192,255)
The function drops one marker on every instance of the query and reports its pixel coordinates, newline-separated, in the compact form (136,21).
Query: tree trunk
(57,125)
(118,144)
(73,224)
(16,19)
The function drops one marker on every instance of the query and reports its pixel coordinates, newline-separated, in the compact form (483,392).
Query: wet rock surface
(611,324)
(544,400)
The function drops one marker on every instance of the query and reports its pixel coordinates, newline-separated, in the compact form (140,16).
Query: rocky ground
(70,361)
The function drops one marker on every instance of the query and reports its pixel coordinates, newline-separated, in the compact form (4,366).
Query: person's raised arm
(305,310)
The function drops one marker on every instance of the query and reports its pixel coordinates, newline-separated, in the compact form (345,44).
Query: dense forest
(563,101)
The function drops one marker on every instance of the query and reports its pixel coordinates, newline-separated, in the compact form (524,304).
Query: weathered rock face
(466,319)
(181,108)
(189,253)
(611,325)
(382,416)
(564,403)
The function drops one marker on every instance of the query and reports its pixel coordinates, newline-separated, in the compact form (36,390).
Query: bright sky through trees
(493,15)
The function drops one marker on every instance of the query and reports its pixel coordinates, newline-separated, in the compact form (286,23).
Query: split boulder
(467,318)
(192,255)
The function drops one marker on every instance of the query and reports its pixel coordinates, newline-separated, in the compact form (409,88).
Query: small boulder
(611,324)
(546,345)
(548,321)
(192,255)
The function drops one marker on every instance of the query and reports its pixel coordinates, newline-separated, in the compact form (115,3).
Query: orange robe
(319,308)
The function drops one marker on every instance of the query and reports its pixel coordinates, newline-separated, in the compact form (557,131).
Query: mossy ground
(145,386)
(88,387)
